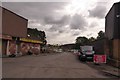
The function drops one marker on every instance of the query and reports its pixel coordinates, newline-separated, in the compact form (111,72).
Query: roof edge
(13,13)
(111,8)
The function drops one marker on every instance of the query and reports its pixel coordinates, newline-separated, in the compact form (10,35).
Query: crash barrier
(99,58)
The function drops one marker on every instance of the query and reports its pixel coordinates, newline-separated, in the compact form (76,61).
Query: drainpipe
(7,51)
(17,46)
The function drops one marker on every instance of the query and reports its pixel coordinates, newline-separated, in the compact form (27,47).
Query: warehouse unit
(14,26)
(112,33)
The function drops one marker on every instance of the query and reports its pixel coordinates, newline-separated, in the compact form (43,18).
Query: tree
(91,39)
(81,41)
(37,34)
(101,35)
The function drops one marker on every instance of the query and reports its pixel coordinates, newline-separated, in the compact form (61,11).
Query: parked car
(86,53)
(75,52)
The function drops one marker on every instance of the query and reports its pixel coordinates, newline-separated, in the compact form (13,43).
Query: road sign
(99,58)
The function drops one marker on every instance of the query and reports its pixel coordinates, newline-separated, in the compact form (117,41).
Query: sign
(99,58)
(30,40)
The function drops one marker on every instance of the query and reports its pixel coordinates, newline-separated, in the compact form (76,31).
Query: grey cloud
(43,13)
(58,28)
(62,21)
(93,24)
(54,28)
(76,34)
(35,0)
(61,31)
(46,13)
(57,24)
(52,35)
(34,21)
(35,10)
(75,22)
(78,22)
(89,34)
(99,11)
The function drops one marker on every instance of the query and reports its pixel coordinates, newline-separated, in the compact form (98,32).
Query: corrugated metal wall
(99,46)
(13,24)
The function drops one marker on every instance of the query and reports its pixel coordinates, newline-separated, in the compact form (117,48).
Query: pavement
(112,70)
(106,69)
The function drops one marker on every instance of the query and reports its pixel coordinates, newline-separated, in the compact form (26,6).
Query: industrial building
(112,33)
(13,37)
(13,27)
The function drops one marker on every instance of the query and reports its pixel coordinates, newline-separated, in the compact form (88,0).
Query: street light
(28,35)
(117,16)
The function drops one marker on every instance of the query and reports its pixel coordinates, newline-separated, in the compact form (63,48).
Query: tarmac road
(62,65)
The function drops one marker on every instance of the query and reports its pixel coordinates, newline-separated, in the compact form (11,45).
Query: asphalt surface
(60,65)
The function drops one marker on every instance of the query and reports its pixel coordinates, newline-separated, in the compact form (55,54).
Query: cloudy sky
(63,20)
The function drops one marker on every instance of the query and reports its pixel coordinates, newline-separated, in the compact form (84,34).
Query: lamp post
(28,35)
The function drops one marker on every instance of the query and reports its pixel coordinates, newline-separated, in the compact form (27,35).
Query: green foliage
(37,34)
(77,46)
(85,41)
(82,40)
(91,39)
(101,35)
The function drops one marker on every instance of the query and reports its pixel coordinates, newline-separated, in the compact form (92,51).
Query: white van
(87,51)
